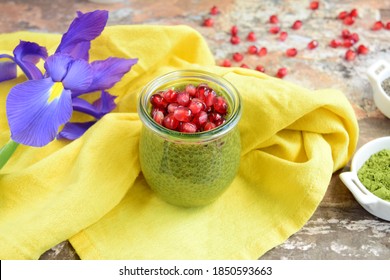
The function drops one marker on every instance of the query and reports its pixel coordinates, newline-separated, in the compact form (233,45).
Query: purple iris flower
(37,108)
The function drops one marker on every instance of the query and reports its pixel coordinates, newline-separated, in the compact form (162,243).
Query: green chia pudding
(190,144)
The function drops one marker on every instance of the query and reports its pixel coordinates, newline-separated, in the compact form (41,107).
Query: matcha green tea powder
(375,174)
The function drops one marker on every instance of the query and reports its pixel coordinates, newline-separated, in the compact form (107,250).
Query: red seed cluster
(190,110)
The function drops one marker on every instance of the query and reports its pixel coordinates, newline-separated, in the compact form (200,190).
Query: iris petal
(106,73)
(105,103)
(7,70)
(83,29)
(57,66)
(27,54)
(83,106)
(72,131)
(33,120)
(79,76)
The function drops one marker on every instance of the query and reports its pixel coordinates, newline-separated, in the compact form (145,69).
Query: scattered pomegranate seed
(388,25)
(208,22)
(260,68)
(335,43)
(251,36)
(209,126)
(226,63)
(291,52)
(262,51)
(342,15)
(350,55)
(297,25)
(238,57)
(234,30)
(347,43)
(345,34)
(377,26)
(349,20)
(354,13)
(312,45)
(235,40)
(283,36)
(252,49)
(362,49)
(314,5)
(282,72)
(214,10)
(244,65)
(274,29)
(354,37)
(273,19)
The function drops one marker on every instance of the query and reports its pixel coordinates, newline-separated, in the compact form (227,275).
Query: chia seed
(386,86)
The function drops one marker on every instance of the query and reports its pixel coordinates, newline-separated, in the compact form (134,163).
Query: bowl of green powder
(369,178)
(379,77)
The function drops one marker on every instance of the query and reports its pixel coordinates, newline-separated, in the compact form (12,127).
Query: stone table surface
(340,228)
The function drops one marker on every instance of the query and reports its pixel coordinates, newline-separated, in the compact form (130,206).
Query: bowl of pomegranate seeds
(379,76)
(190,143)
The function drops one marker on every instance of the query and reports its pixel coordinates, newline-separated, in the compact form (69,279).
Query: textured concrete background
(340,228)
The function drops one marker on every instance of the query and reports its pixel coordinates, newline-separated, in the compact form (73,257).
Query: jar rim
(201,76)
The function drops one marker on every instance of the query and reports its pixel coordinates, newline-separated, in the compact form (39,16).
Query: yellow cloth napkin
(92,192)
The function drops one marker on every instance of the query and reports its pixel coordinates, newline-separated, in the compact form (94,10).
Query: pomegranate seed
(342,15)
(273,19)
(349,20)
(347,43)
(226,63)
(251,36)
(188,127)
(274,29)
(196,105)
(237,57)
(297,25)
(172,107)
(209,126)
(158,101)
(283,36)
(201,91)
(335,43)
(214,117)
(235,40)
(183,114)
(158,116)
(281,72)
(362,49)
(377,26)
(183,98)
(208,22)
(209,100)
(170,122)
(314,5)
(220,105)
(354,13)
(291,52)
(252,49)
(234,30)
(354,37)
(388,25)
(200,119)
(214,10)
(345,34)
(262,51)
(350,55)
(260,68)
(170,95)
(218,123)
(244,65)
(312,45)
(191,89)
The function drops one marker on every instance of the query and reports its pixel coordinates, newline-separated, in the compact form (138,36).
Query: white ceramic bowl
(373,204)
(377,73)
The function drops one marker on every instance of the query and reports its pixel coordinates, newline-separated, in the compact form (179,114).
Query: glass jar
(189,169)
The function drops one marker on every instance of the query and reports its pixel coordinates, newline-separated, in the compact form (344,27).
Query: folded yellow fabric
(92,191)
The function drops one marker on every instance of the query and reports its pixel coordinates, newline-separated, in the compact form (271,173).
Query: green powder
(375,174)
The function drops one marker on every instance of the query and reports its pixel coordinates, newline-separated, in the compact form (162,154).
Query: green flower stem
(6,152)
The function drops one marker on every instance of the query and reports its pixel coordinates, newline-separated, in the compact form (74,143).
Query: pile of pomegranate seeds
(190,110)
